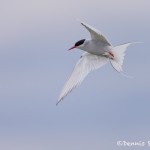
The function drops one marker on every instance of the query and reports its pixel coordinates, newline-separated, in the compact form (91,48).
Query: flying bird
(98,52)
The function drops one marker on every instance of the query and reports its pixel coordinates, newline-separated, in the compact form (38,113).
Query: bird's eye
(79,42)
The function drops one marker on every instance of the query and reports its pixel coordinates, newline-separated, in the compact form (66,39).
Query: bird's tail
(119,53)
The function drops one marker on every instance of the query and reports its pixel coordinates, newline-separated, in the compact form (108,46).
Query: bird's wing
(95,34)
(84,66)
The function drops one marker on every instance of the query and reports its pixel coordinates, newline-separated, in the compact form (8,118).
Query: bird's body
(96,47)
(99,51)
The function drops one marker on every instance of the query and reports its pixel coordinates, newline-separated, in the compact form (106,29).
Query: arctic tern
(98,51)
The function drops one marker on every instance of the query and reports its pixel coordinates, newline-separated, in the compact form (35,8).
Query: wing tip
(79,20)
(58,102)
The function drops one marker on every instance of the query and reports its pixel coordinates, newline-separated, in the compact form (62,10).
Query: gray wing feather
(84,66)
(95,34)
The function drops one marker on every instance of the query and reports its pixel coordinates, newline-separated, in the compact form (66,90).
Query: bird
(98,51)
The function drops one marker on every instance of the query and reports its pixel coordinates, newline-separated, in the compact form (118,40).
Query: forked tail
(119,53)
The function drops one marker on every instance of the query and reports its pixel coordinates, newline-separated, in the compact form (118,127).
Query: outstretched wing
(84,66)
(95,34)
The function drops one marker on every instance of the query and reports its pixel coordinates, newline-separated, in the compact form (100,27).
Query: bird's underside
(96,47)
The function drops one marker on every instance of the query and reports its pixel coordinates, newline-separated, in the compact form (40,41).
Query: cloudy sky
(34,64)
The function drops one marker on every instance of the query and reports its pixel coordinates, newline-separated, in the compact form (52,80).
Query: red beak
(71,48)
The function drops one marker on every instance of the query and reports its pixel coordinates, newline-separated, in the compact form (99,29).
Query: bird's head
(79,44)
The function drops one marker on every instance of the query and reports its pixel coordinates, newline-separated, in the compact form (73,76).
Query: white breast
(96,47)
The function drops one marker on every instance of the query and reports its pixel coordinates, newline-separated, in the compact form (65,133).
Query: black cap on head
(79,42)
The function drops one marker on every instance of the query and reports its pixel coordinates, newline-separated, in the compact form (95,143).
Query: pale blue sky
(35,63)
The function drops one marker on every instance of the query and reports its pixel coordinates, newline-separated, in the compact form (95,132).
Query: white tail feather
(119,53)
